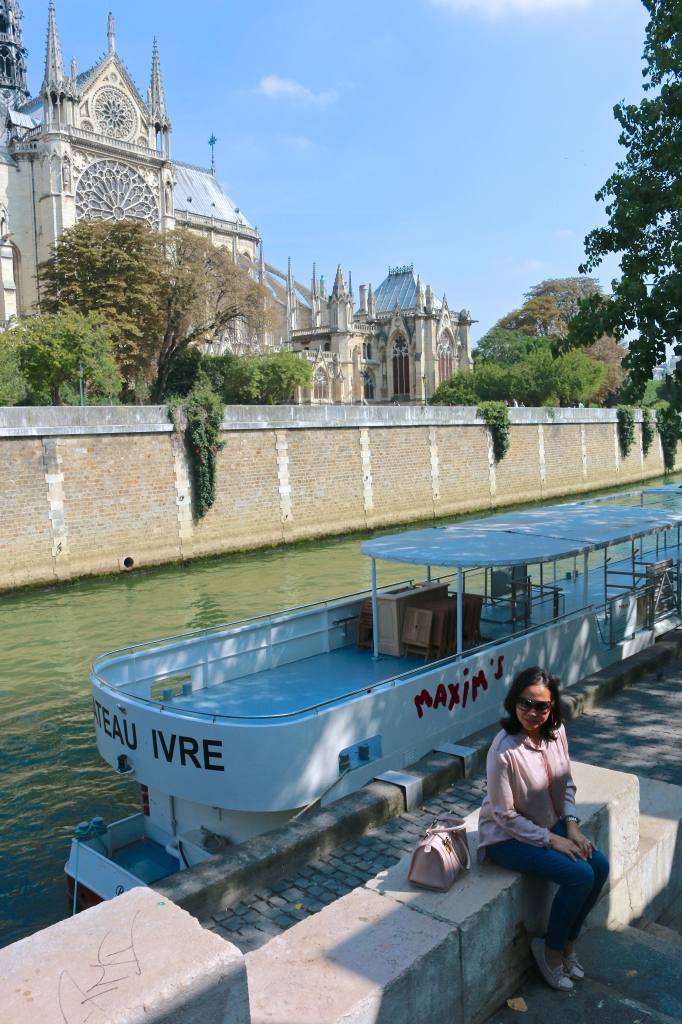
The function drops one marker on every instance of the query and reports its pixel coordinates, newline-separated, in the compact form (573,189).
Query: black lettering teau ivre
(185,751)
(112,726)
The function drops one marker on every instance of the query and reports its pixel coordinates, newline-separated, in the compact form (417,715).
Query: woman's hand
(581,841)
(567,846)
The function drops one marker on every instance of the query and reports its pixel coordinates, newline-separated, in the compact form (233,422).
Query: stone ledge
(364,960)
(46,421)
(496,911)
(131,960)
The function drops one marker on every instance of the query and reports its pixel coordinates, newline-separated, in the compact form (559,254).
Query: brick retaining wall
(84,489)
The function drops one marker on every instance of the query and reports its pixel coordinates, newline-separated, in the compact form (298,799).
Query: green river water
(52,775)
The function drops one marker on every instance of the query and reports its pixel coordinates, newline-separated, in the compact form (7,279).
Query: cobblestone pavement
(639,731)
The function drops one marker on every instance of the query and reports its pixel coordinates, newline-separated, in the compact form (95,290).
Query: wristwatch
(572,817)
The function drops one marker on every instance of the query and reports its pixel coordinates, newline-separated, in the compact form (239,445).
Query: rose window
(115,114)
(109,190)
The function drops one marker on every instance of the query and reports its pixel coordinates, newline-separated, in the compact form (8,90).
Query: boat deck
(292,688)
(289,689)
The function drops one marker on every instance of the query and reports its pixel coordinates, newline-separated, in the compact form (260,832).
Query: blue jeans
(580,882)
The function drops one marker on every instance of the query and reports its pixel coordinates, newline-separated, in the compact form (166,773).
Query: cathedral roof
(197,191)
(400,286)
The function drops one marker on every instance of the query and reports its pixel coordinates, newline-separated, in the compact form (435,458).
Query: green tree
(205,293)
(13,384)
(540,379)
(242,380)
(115,269)
(567,293)
(644,229)
(51,348)
(162,293)
(506,347)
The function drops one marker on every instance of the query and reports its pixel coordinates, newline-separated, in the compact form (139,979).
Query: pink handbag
(441,855)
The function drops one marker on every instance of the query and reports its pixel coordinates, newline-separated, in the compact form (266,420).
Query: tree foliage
(51,349)
(114,269)
(648,431)
(549,307)
(496,416)
(13,384)
(203,412)
(541,379)
(626,429)
(242,380)
(507,347)
(644,209)
(162,293)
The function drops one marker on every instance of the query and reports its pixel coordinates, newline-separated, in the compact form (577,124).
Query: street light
(425,382)
(80,381)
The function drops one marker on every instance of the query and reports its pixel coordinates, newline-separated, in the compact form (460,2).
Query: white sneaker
(573,968)
(554,976)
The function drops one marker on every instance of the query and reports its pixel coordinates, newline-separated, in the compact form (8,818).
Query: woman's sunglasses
(541,707)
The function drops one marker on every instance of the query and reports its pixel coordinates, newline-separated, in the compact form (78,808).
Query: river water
(52,775)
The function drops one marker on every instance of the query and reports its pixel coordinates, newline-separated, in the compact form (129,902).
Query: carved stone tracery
(115,113)
(111,190)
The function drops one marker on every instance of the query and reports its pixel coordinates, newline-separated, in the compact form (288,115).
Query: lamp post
(80,381)
(425,382)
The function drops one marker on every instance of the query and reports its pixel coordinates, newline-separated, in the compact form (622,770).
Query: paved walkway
(637,731)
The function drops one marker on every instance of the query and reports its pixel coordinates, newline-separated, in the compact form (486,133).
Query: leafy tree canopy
(242,380)
(13,385)
(161,293)
(506,347)
(541,379)
(51,349)
(644,209)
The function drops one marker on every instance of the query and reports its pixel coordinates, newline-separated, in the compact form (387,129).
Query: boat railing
(366,689)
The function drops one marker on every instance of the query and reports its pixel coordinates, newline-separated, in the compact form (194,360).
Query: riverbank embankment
(97,490)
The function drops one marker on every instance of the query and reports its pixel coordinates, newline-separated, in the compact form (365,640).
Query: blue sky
(465,136)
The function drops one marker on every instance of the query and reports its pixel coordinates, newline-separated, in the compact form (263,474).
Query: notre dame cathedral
(90,146)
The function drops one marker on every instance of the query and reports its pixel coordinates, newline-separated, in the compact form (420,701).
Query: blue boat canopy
(521,538)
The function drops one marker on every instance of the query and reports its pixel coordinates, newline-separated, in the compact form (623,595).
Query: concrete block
(608,806)
(496,911)
(362,960)
(651,884)
(131,960)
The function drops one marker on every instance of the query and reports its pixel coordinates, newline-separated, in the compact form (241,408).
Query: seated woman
(528,821)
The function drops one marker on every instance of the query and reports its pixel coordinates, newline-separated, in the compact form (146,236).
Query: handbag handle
(459,841)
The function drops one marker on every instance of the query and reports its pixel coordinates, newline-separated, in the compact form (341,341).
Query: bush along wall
(669,429)
(201,415)
(648,431)
(626,429)
(496,416)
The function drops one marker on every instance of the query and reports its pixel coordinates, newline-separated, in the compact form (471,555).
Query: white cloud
(300,142)
(276,88)
(492,8)
(531,265)
(563,234)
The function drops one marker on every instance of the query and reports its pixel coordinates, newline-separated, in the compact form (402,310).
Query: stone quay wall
(99,490)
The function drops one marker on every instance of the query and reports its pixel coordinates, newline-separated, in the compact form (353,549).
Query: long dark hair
(528,677)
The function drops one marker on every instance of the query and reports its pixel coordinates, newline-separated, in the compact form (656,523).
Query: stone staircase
(634,976)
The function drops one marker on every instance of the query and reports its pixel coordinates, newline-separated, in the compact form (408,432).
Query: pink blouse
(529,789)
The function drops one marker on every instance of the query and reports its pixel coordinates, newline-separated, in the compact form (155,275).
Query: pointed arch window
(369,389)
(320,387)
(446,363)
(401,367)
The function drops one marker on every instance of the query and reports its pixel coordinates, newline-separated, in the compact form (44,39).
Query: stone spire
(315,303)
(339,284)
(110,34)
(157,97)
(371,304)
(54,65)
(12,63)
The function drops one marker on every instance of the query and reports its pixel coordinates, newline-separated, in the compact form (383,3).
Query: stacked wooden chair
(365,625)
